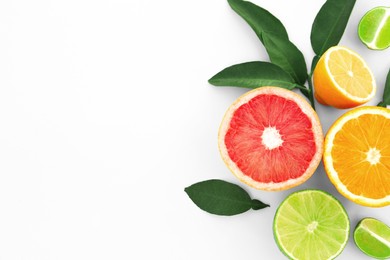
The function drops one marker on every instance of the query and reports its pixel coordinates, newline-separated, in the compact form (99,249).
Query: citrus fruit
(311,224)
(373,238)
(342,79)
(374,28)
(271,139)
(357,155)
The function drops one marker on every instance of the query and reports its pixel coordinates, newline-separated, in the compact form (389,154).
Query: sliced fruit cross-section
(342,79)
(357,155)
(311,224)
(271,139)
(374,28)
(373,238)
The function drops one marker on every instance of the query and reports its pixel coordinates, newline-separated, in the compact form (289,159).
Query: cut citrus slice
(372,237)
(271,139)
(342,79)
(311,224)
(357,155)
(374,28)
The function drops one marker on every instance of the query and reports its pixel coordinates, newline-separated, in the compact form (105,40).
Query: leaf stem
(310,90)
(303,89)
(305,92)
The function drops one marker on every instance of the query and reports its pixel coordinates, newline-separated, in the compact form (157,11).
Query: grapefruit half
(271,139)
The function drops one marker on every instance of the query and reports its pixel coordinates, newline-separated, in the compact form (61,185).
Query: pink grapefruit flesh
(271,139)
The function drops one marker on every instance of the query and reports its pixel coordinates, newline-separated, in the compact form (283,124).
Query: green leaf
(273,35)
(386,92)
(253,75)
(286,55)
(329,24)
(257,204)
(258,18)
(222,198)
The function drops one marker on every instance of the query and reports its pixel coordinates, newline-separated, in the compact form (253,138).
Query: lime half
(311,224)
(373,238)
(374,28)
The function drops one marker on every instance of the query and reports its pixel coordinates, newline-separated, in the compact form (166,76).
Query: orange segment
(357,155)
(342,79)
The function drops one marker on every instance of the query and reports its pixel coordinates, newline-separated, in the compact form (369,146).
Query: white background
(106,116)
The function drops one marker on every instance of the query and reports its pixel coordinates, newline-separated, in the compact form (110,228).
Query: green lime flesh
(374,28)
(311,224)
(372,237)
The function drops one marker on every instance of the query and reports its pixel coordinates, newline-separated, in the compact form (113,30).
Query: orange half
(357,155)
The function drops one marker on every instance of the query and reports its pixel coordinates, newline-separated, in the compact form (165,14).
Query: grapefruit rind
(342,210)
(305,108)
(328,160)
